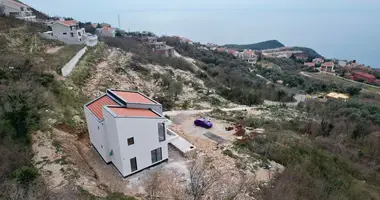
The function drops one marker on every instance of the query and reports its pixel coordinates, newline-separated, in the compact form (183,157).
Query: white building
(68,31)
(128,129)
(17,9)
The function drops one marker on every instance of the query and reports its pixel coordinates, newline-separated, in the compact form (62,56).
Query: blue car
(202,122)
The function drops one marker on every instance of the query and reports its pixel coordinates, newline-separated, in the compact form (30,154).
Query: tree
(118,33)
(353,91)
(202,177)
(99,26)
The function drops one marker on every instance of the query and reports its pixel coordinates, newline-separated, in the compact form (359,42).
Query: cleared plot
(343,81)
(215,138)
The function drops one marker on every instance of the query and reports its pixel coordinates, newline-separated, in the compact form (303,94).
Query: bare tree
(202,177)
(152,187)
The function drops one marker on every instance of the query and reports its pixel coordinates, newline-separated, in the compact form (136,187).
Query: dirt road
(298,98)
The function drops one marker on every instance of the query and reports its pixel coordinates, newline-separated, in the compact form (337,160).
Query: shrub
(25,174)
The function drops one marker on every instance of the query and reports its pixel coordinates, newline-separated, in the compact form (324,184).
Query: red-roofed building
(106,31)
(368,78)
(221,49)
(327,67)
(233,52)
(128,130)
(309,64)
(69,32)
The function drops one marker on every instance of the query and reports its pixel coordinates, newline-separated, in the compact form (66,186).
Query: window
(72,34)
(64,33)
(156,155)
(131,141)
(22,8)
(161,132)
(79,34)
(133,164)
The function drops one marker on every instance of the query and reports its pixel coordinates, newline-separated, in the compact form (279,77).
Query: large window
(156,155)
(133,164)
(161,132)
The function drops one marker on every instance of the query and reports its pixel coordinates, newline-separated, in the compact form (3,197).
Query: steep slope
(270,44)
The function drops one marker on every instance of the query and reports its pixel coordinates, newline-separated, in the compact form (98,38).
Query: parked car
(202,122)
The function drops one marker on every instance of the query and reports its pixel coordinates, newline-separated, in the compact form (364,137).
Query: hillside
(308,51)
(270,44)
(278,148)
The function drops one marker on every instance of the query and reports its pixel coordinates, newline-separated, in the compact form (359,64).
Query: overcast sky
(346,29)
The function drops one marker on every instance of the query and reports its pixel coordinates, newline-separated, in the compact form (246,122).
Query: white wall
(59,29)
(113,140)
(145,134)
(66,70)
(97,134)
(155,107)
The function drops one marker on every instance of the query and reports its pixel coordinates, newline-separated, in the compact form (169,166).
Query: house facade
(17,9)
(128,130)
(327,67)
(69,32)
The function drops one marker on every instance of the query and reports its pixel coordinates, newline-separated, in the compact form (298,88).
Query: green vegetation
(270,44)
(229,76)
(292,79)
(31,97)
(83,70)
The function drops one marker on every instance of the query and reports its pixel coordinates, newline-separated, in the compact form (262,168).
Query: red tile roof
(133,97)
(328,64)
(133,112)
(362,74)
(68,22)
(309,64)
(96,106)
(107,28)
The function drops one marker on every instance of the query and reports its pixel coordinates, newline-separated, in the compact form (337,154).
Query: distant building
(221,49)
(233,52)
(318,60)
(185,40)
(68,31)
(106,31)
(148,40)
(342,63)
(309,64)
(327,67)
(18,10)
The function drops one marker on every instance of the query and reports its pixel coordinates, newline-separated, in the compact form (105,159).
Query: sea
(341,29)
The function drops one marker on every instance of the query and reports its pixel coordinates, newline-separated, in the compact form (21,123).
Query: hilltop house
(128,129)
(318,60)
(68,31)
(106,31)
(18,10)
(327,67)
(309,64)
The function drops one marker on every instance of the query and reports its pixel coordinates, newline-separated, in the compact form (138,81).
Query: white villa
(128,129)
(68,31)
(17,9)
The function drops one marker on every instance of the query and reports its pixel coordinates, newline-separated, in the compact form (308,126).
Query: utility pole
(118,18)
